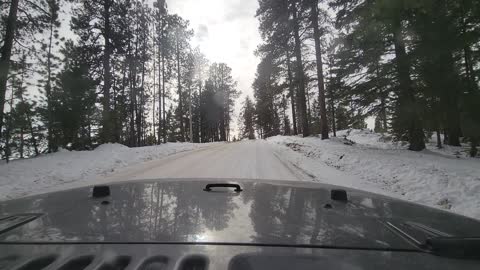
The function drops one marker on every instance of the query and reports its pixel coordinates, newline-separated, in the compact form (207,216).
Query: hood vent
(58,262)
(194,263)
(119,263)
(79,263)
(154,263)
(39,263)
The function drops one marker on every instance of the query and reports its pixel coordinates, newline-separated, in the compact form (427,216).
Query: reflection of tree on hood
(194,207)
(267,209)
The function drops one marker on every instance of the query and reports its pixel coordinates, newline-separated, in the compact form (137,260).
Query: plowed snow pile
(444,178)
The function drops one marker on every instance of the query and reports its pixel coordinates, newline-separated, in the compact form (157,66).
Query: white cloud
(227,31)
(202,33)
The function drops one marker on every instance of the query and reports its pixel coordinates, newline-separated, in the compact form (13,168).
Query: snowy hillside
(443,178)
(67,169)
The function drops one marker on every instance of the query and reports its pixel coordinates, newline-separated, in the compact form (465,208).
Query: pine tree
(181,37)
(376,26)
(21,135)
(220,75)
(342,118)
(74,100)
(105,13)
(266,90)
(160,13)
(300,75)
(320,79)
(16,30)
(48,62)
(6,54)
(280,21)
(247,120)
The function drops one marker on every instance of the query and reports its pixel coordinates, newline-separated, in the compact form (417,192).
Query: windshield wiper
(436,242)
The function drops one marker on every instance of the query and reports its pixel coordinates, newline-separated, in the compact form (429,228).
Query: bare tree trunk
(468,67)
(139,119)
(451,105)
(473,147)
(30,124)
(106,125)
(143,125)
(190,113)
(334,128)
(321,83)
(89,129)
(223,133)
(32,134)
(124,86)
(291,90)
(6,53)
(332,98)
(115,117)
(406,95)
(227,117)
(467,53)
(140,131)
(439,139)
(159,91)
(299,116)
(383,112)
(302,104)
(309,107)
(332,106)
(180,103)
(200,123)
(9,129)
(22,142)
(164,124)
(154,95)
(132,104)
(383,103)
(48,90)
(132,115)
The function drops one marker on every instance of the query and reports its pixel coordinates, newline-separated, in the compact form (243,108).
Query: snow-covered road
(246,159)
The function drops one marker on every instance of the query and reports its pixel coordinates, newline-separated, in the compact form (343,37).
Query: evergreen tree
(247,120)
(22,135)
(91,19)
(48,62)
(6,53)
(376,26)
(322,117)
(266,90)
(23,20)
(74,100)
(280,26)
(220,75)
(342,118)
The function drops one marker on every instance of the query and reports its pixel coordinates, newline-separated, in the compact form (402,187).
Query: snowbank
(439,178)
(66,169)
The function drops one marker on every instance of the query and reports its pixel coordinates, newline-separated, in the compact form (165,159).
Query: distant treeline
(327,65)
(124,72)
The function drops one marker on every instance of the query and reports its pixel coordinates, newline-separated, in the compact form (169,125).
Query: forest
(117,71)
(328,65)
(124,71)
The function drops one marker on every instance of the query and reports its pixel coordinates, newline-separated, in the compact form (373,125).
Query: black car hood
(264,213)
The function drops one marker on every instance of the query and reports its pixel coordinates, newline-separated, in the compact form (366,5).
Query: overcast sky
(226,31)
